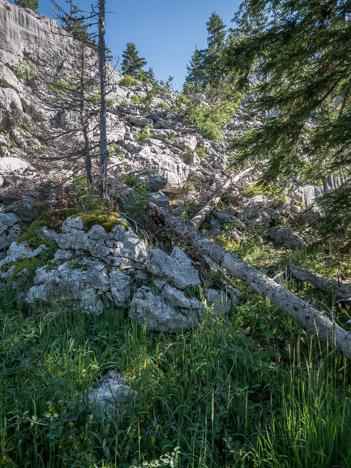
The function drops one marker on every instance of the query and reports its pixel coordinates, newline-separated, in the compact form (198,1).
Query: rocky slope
(147,142)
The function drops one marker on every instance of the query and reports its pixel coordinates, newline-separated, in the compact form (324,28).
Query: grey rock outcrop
(156,313)
(283,236)
(120,248)
(9,229)
(175,268)
(220,301)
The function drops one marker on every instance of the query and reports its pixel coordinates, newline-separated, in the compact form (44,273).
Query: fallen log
(205,211)
(341,290)
(301,311)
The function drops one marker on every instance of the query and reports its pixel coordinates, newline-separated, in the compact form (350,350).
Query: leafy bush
(163,106)
(144,133)
(201,152)
(188,187)
(129,81)
(274,191)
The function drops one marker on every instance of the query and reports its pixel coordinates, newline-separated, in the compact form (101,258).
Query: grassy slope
(249,389)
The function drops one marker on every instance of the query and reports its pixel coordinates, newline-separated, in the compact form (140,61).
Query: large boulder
(157,313)
(175,268)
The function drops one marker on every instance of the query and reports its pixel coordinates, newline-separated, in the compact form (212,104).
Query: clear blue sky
(165,32)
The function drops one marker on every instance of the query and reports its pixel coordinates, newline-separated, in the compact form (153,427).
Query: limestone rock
(9,103)
(175,268)
(159,199)
(9,229)
(221,302)
(76,286)
(187,142)
(139,121)
(11,165)
(120,288)
(154,181)
(111,394)
(283,236)
(8,79)
(154,312)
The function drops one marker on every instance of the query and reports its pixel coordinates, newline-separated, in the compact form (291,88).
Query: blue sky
(165,32)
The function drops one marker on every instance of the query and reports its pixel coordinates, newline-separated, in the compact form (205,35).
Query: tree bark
(83,120)
(102,72)
(341,290)
(310,318)
(203,214)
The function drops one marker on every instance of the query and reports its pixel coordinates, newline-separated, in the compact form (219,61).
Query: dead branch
(201,216)
(341,290)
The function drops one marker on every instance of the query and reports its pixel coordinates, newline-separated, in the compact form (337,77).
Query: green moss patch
(53,219)
(107,220)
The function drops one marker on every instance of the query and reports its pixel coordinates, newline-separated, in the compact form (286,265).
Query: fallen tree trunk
(341,290)
(310,318)
(203,214)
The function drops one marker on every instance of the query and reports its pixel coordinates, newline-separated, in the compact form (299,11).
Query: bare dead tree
(102,72)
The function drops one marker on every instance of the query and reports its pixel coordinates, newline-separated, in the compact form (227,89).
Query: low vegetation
(244,390)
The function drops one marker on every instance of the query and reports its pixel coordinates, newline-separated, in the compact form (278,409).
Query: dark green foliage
(149,76)
(196,76)
(205,67)
(33,4)
(74,21)
(301,52)
(132,64)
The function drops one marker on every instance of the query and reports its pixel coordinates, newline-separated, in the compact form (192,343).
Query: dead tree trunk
(205,212)
(339,289)
(83,120)
(102,71)
(310,318)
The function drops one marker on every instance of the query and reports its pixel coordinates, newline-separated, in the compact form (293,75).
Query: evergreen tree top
(216,30)
(132,63)
(32,4)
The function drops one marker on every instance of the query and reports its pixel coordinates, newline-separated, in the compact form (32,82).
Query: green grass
(250,389)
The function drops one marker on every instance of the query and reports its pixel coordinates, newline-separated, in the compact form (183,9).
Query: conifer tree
(74,21)
(150,76)
(132,64)
(302,53)
(205,68)
(196,71)
(33,4)
(216,32)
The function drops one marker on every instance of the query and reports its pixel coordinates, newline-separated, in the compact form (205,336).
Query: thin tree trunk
(310,318)
(83,121)
(102,72)
(203,214)
(339,289)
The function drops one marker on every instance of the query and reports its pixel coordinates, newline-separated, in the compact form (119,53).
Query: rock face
(25,32)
